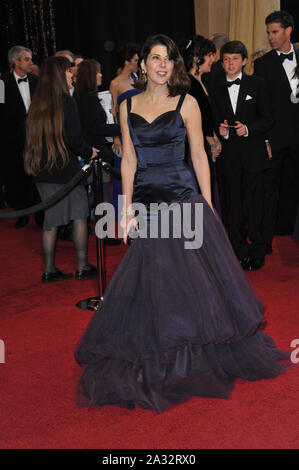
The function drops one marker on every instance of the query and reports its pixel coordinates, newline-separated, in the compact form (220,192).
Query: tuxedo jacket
(283,133)
(14,122)
(254,110)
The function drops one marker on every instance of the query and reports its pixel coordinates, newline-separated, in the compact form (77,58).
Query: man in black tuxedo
(277,68)
(244,115)
(19,86)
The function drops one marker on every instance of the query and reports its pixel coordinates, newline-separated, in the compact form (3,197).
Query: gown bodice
(162,174)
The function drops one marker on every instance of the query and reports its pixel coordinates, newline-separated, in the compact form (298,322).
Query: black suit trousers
(281,193)
(20,190)
(244,189)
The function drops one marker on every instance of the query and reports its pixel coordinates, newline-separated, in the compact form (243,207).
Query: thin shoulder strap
(129,104)
(182,97)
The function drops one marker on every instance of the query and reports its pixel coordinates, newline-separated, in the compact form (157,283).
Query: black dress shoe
(89,272)
(112,241)
(244,262)
(56,276)
(256,264)
(22,222)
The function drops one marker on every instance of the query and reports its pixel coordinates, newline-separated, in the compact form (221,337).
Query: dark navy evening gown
(174,322)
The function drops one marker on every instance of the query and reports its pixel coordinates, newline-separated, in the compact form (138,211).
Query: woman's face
(69,78)
(208,62)
(99,78)
(158,66)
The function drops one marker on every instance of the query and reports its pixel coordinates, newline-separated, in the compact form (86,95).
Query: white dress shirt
(233,92)
(289,66)
(24,90)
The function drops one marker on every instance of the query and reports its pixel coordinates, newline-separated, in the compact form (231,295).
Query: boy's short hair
(283,17)
(234,47)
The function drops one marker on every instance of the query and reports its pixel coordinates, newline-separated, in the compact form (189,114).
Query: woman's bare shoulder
(190,102)
(190,106)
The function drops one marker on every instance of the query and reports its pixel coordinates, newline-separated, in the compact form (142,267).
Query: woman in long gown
(174,322)
(121,87)
(198,55)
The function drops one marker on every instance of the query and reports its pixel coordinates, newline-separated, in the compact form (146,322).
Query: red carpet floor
(40,326)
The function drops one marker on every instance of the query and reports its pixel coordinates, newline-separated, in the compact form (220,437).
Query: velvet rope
(61,193)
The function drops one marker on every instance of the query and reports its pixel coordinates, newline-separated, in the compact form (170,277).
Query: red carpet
(40,326)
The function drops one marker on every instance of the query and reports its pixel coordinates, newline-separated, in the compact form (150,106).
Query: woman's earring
(143,75)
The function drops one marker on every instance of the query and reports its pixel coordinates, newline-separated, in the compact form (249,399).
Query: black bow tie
(22,79)
(235,82)
(286,56)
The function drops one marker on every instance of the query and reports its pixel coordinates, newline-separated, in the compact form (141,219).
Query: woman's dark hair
(86,80)
(46,116)
(127,52)
(179,81)
(234,47)
(283,17)
(198,47)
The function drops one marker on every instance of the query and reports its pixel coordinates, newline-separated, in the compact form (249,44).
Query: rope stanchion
(60,194)
(97,165)
(92,303)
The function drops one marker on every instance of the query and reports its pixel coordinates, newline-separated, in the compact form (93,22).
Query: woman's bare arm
(192,117)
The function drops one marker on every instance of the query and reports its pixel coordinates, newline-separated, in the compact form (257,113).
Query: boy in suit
(244,116)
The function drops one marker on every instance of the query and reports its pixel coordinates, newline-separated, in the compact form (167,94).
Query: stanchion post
(99,196)
(93,303)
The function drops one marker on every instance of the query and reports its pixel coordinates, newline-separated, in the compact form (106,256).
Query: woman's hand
(214,151)
(127,223)
(117,146)
(113,112)
(215,145)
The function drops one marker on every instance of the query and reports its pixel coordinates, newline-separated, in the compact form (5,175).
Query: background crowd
(250,125)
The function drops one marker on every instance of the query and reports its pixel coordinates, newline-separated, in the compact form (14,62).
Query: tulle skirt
(175,323)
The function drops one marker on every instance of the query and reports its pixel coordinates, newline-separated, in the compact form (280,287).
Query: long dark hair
(46,117)
(126,52)
(179,81)
(198,46)
(86,77)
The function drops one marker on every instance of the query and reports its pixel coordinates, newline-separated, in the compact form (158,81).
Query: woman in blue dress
(175,322)
(121,88)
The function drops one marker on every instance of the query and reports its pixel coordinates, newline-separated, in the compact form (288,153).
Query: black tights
(80,239)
